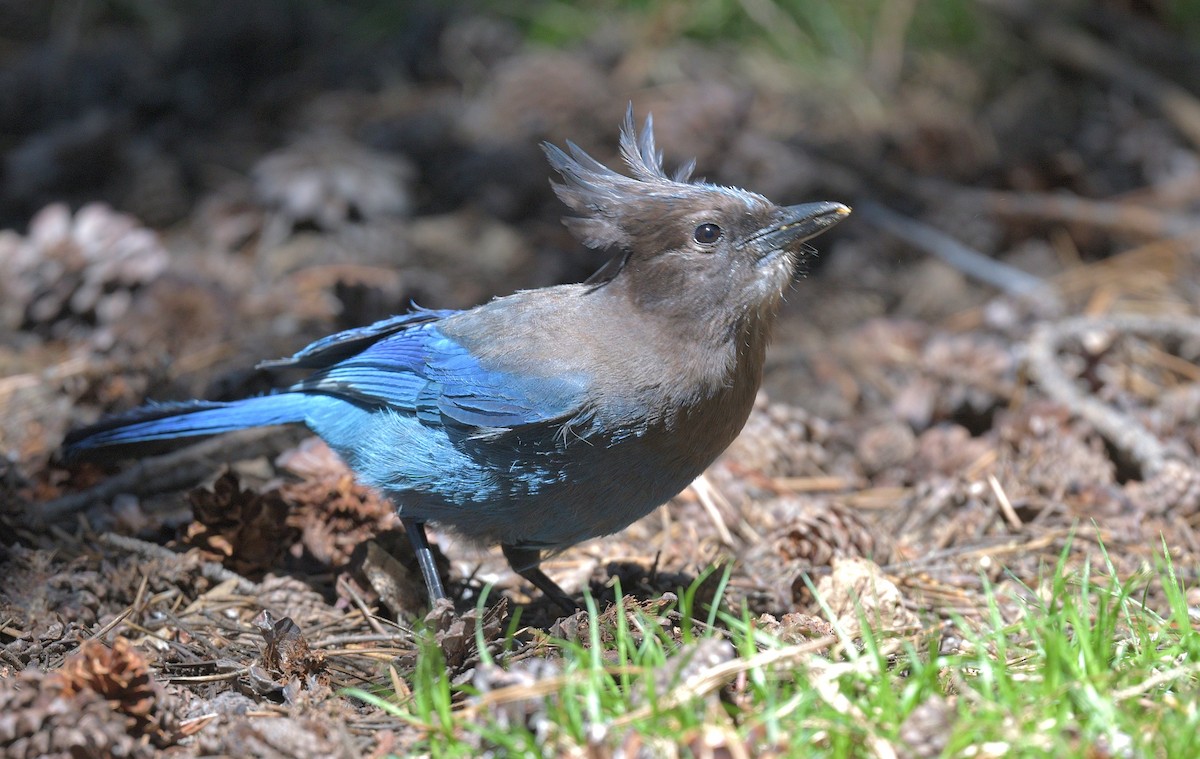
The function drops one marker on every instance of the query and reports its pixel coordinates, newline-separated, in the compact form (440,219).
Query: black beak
(797,224)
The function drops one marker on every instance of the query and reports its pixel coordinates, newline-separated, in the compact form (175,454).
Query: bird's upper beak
(796,224)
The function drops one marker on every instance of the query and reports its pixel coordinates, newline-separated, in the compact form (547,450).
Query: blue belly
(537,489)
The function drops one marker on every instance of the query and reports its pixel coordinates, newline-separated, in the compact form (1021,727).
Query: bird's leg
(429,571)
(524,561)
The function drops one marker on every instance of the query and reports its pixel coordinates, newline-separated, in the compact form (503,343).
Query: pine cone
(102,703)
(119,674)
(246,529)
(287,596)
(330,182)
(529,713)
(472,46)
(884,446)
(690,661)
(974,373)
(332,511)
(814,536)
(780,440)
(1174,489)
(37,721)
(72,269)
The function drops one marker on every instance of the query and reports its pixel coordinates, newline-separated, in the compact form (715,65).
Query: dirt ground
(185,200)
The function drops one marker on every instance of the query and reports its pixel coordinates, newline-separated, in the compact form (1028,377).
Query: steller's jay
(555,415)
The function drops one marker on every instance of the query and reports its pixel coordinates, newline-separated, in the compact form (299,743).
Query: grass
(816,29)
(1076,665)
(851,51)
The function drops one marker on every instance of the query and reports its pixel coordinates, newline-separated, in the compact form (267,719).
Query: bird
(549,416)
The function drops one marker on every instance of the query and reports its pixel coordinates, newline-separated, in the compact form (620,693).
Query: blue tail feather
(169,421)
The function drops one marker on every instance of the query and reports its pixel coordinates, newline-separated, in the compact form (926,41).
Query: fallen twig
(1103,214)
(211,570)
(1127,434)
(970,262)
(172,471)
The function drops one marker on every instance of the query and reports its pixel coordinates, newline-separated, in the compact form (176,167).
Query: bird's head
(684,246)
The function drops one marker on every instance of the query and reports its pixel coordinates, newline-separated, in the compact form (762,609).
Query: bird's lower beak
(799,223)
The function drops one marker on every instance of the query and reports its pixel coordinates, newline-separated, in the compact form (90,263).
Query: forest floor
(186,204)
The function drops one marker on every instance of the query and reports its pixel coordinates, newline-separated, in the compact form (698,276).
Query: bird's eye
(707,234)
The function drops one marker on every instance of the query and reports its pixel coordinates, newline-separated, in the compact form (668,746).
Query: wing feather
(406,364)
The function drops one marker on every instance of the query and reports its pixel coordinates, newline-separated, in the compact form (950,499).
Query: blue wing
(332,349)
(406,364)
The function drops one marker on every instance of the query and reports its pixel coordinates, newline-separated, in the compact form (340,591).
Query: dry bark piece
(398,584)
(287,652)
(455,633)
